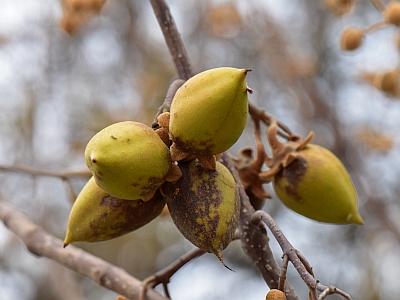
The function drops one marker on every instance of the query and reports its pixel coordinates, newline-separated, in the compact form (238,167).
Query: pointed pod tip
(246,70)
(219,255)
(65,244)
(355,219)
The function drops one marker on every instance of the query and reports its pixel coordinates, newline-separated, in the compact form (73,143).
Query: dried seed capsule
(392,13)
(275,295)
(351,39)
(209,111)
(128,160)
(97,216)
(204,206)
(317,185)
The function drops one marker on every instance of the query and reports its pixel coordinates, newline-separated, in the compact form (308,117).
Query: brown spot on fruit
(204,205)
(294,172)
(97,216)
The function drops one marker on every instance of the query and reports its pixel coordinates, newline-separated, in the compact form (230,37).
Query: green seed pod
(128,160)
(209,111)
(97,216)
(317,185)
(204,206)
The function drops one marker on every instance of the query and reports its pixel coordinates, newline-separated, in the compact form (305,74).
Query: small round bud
(392,13)
(275,295)
(339,7)
(351,39)
(387,82)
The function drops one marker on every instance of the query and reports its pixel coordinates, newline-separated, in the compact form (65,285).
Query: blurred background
(69,69)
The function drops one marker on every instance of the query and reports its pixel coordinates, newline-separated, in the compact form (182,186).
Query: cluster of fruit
(137,170)
(353,37)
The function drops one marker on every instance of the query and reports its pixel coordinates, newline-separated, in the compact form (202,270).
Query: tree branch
(173,39)
(37,172)
(43,244)
(298,260)
(254,243)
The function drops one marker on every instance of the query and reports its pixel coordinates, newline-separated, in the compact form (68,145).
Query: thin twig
(258,114)
(165,107)
(71,192)
(163,276)
(38,172)
(43,244)
(375,26)
(173,39)
(300,263)
(282,276)
(378,4)
(255,241)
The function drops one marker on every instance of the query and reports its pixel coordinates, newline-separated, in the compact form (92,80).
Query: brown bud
(351,39)
(392,13)
(275,295)
(163,119)
(70,22)
(339,7)
(387,82)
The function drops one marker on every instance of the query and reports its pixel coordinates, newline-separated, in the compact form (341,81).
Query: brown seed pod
(204,206)
(351,39)
(275,295)
(392,13)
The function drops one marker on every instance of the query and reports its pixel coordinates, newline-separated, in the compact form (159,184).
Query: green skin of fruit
(318,186)
(128,160)
(209,112)
(204,206)
(97,216)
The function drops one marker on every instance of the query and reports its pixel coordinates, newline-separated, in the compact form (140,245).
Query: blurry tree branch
(38,172)
(43,244)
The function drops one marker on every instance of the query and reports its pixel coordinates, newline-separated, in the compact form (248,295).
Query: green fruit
(128,160)
(97,216)
(204,206)
(317,185)
(209,111)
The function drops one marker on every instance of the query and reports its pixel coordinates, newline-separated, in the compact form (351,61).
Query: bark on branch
(43,244)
